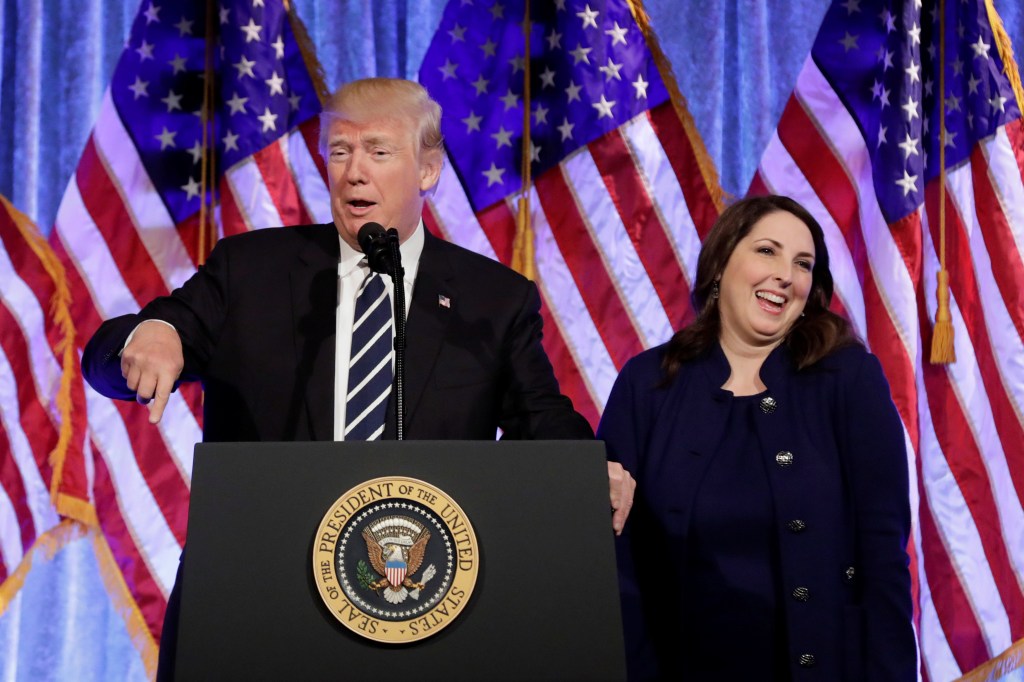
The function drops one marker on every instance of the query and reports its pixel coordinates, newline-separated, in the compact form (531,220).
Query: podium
(545,603)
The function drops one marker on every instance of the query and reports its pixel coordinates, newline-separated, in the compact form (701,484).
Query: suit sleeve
(876,458)
(533,407)
(196,310)
(620,426)
(623,428)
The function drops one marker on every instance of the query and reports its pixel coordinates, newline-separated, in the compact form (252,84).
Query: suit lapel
(314,292)
(433,304)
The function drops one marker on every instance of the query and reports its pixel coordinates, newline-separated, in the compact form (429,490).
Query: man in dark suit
(264,322)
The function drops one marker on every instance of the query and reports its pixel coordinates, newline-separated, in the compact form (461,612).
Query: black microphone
(373,240)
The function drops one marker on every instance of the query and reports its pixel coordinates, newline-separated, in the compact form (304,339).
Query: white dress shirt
(352,271)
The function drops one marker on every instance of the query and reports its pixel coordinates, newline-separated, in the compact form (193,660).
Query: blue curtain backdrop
(735,60)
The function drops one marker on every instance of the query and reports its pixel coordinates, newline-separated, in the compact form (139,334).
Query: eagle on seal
(396,546)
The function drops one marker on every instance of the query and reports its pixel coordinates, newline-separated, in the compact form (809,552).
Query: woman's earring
(714,289)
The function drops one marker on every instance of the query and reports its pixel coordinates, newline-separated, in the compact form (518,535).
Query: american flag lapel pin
(444,301)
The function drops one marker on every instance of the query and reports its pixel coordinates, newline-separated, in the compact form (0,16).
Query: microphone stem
(398,279)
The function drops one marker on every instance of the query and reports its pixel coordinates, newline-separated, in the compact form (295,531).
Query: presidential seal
(395,559)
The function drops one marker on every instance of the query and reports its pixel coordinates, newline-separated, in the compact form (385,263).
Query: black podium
(545,602)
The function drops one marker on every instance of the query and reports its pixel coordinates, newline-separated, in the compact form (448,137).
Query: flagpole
(206,170)
(943,350)
(522,248)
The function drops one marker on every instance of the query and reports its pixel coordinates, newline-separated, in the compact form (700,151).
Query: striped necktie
(369,370)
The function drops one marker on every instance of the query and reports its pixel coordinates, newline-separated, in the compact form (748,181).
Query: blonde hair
(370,98)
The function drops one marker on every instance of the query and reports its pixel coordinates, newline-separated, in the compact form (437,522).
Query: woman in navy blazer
(768,537)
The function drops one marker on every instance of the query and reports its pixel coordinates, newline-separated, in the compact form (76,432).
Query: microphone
(373,240)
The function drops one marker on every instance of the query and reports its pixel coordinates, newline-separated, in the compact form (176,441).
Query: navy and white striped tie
(369,371)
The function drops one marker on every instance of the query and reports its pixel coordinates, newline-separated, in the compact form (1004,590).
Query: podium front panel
(545,604)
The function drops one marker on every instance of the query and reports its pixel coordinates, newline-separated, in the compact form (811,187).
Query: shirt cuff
(129,339)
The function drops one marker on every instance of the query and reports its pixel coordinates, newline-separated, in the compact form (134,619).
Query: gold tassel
(522,246)
(704,161)
(523,260)
(943,351)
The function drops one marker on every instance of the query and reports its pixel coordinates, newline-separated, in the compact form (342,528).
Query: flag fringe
(76,508)
(704,162)
(60,309)
(308,51)
(124,603)
(1002,40)
(999,667)
(47,545)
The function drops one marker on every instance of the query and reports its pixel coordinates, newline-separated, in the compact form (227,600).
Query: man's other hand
(151,363)
(621,487)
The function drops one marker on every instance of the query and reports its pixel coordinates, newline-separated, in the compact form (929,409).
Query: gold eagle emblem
(396,546)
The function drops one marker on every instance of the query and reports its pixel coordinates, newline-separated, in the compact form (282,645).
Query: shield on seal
(395,566)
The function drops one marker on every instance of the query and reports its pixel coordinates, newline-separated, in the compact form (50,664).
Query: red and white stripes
(121,249)
(964,420)
(616,243)
(30,377)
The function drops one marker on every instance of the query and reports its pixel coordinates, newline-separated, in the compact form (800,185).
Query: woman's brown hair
(813,336)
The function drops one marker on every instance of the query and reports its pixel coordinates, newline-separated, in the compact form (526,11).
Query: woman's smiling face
(766,282)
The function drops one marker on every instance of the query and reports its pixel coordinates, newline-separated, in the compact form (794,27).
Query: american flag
(42,428)
(623,190)
(129,229)
(858,144)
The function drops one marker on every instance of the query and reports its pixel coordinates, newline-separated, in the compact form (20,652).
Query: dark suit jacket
(257,323)
(846,481)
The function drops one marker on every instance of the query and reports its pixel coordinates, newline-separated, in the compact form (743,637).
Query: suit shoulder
(856,370)
(480,266)
(277,238)
(645,368)
(648,360)
(847,359)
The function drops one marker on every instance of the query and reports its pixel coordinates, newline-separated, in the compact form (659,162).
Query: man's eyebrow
(385,140)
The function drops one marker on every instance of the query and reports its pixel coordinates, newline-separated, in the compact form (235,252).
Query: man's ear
(430,168)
